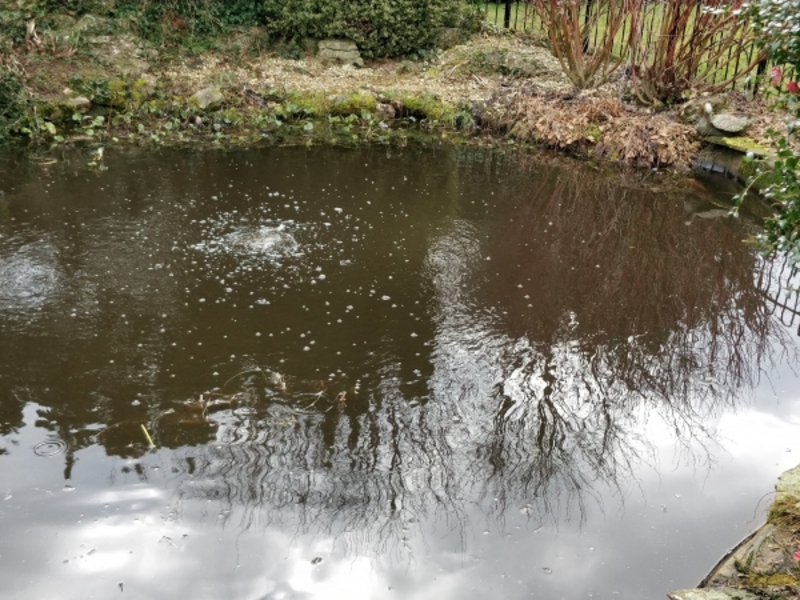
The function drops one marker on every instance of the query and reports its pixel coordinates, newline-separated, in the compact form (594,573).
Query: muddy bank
(93,82)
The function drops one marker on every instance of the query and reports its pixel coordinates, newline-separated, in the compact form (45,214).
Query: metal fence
(522,17)
(780,279)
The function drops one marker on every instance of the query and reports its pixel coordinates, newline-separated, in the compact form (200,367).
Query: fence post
(507,15)
(761,68)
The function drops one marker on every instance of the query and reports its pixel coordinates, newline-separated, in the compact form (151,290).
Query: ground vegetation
(778,177)
(133,70)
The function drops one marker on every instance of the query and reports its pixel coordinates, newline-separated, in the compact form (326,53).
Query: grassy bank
(93,81)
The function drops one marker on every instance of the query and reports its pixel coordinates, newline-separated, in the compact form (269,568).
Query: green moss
(117,92)
(771,580)
(300,105)
(744,145)
(428,107)
(103,91)
(785,512)
(55,112)
(140,91)
(354,104)
(747,169)
(593,133)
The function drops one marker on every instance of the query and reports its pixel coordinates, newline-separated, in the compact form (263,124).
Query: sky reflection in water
(381,373)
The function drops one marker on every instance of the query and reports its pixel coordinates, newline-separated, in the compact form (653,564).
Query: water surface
(380,373)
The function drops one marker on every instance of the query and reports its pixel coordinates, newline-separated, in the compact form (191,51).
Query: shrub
(569,25)
(379,27)
(166,18)
(11,103)
(40,8)
(75,7)
(778,25)
(700,44)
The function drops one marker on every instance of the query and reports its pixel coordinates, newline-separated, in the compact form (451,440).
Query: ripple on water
(50,448)
(28,278)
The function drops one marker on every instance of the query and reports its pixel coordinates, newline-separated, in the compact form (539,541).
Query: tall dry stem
(570,24)
(682,45)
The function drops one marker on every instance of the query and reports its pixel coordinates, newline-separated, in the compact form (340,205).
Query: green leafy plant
(177,20)
(777,23)
(76,7)
(378,27)
(12,103)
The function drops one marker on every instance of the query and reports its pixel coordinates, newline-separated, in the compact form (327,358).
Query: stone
(89,23)
(208,98)
(726,572)
(743,145)
(691,110)
(789,484)
(121,52)
(385,111)
(340,50)
(149,82)
(62,24)
(728,123)
(712,594)
(80,104)
(705,128)
(721,125)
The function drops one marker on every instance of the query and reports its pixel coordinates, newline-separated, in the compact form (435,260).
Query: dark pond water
(379,374)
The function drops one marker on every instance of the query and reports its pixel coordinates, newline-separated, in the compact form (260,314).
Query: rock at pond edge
(711,594)
(208,98)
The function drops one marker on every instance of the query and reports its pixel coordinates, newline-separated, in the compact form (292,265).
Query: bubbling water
(270,241)
(258,241)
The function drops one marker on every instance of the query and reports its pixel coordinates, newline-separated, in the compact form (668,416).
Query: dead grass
(604,127)
(470,72)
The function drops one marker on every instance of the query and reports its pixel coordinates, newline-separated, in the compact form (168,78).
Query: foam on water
(269,241)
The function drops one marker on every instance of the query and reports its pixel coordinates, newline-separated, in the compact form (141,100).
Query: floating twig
(147,436)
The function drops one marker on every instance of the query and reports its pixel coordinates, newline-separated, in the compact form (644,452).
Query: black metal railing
(780,279)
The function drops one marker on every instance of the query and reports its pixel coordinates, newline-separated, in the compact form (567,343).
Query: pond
(381,373)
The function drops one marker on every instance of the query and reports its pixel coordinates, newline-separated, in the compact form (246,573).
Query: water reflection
(600,309)
(376,352)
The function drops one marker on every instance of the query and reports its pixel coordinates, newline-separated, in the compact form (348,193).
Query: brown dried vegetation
(603,127)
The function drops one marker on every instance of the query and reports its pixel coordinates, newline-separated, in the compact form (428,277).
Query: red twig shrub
(680,45)
(569,24)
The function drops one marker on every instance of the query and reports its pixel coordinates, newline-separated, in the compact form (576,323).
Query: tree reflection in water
(561,335)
